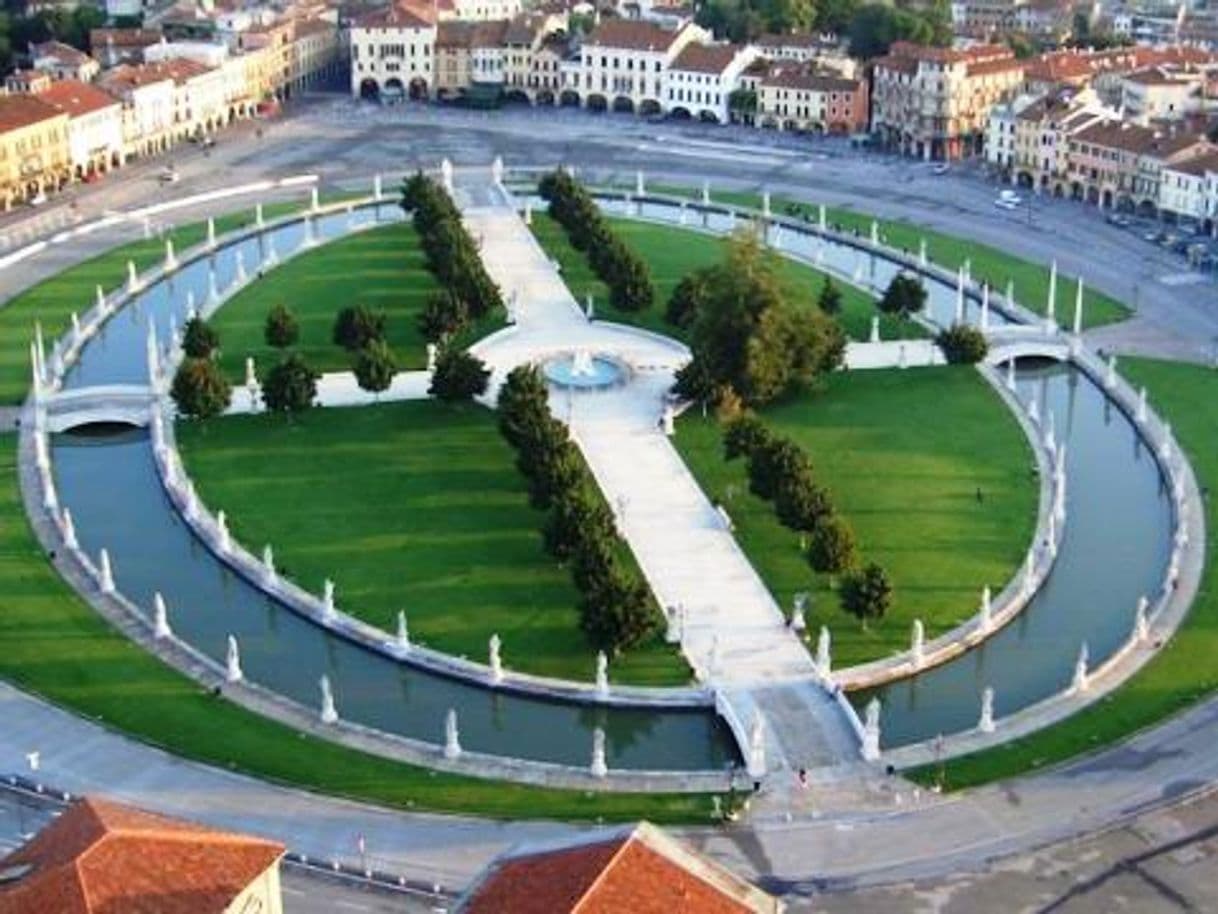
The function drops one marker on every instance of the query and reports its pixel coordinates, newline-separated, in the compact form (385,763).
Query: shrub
(867,593)
(282,329)
(743,436)
(458,376)
(830,298)
(290,386)
(772,464)
(443,315)
(199,339)
(199,389)
(905,296)
(962,344)
(686,300)
(357,326)
(375,366)
(832,548)
(800,503)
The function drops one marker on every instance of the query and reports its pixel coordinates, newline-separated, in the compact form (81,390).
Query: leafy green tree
(290,386)
(875,26)
(443,315)
(573,516)
(832,548)
(745,435)
(830,298)
(555,470)
(618,615)
(458,376)
(282,329)
(199,389)
(375,366)
(904,297)
(867,593)
(686,299)
(750,336)
(800,503)
(199,339)
(773,463)
(631,289)
(522,404)
(962,344)
(357,326)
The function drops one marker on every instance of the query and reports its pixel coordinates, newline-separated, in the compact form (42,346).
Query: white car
(1009,195)
(1003,203)
(940,169)
(38,199)
(169,176)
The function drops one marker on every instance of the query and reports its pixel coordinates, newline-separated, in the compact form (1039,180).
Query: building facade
(34,153)
(622,65)
(95,126)
(934,103)
(392,55)
(801,97)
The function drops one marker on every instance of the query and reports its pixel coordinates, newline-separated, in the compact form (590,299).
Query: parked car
(169,176)
(940,169)
(38,199)
(1118,219)
(1009,195)
(1152,236)
(1003,203)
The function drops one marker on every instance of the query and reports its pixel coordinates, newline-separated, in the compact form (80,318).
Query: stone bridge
(1025,342)
(128,404)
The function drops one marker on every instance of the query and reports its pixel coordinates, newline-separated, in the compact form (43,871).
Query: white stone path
(733,633)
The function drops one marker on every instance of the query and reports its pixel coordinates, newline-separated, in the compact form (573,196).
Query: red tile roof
(397,16)
(75,98)
(632,34)
(705,58)
(17,111)
(106,858)
(640,872)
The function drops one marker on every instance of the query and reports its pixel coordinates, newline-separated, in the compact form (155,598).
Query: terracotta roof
(17,111)
(1134,138)
(465,33)
(1002,65)
(75,98)
(105,858)
(1163,76)
(124,38)
(632,34)
(1198,165)
(975,54)
(705,58)
(525,29)
(642,872)
(396,16)
(304,27)
(808,79)
(64,53)
(126,77)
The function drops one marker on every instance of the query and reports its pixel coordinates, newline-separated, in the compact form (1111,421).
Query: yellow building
(34,152)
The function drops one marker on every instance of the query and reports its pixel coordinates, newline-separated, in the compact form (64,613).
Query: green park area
(383,269)
(903,455)
(997,267)
(671,253)
(56,646)
(412,506)
(1184,669)
(53,301)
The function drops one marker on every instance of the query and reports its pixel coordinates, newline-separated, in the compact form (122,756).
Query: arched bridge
(128,404)
(1026,342)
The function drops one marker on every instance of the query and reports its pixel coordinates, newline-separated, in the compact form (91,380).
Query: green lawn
(382,268)
(1184,669)
(988,263)
(414,506)
(672,253)
(903,454)
(53,300)
(53,644)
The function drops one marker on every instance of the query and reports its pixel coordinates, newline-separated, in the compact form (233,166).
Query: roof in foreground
(632,34)
(642,871)
(17,111)
(106,858)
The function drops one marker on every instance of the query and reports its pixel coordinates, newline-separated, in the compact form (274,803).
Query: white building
(1163,93)
(1000,132)
(392,54)
(1189,189)
(700,80)
(95,126)
(148,98)
(62,61)
(622,64)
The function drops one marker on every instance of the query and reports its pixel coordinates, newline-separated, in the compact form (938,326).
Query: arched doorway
(597,103)
(680,114)
(546,97)
(369,90)
(623,105)
(708,117)
(649,107)
(569,99)
(393,90)
(418,89)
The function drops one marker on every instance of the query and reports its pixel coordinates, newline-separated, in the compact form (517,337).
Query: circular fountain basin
(582,371)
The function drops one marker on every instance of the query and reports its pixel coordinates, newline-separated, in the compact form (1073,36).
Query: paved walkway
(731,630)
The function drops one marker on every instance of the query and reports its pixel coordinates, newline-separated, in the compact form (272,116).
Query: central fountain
(584,370)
